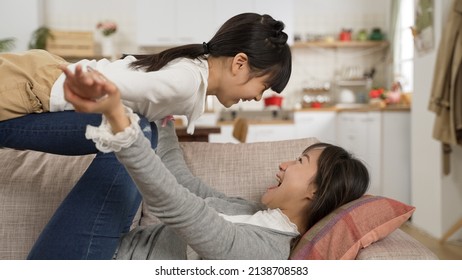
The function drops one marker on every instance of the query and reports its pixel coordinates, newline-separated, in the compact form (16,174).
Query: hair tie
(206,48)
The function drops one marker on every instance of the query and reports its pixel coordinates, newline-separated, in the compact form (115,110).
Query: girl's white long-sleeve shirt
(179,88)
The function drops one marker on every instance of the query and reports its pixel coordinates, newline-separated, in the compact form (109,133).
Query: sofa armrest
(396,246)
(32,185)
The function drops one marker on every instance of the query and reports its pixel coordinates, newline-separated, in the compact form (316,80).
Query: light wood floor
(450,250)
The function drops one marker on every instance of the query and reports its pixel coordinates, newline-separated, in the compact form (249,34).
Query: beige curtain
(445,100)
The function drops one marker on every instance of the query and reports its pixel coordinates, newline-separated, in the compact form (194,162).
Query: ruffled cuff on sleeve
(108,142)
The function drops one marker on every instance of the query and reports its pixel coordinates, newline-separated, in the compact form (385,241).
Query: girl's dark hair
(260,37)
(340,178)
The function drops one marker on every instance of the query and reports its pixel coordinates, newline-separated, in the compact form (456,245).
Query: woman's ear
(311,192)
(240,62)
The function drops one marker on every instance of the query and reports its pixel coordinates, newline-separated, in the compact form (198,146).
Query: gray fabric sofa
(32,184)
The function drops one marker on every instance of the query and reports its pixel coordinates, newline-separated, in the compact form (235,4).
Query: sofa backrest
(245,170)
(33,184)
(240,170)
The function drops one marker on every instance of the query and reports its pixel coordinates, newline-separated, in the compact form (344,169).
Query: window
(404,46)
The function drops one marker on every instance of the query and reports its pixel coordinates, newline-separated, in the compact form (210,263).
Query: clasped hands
(90,92)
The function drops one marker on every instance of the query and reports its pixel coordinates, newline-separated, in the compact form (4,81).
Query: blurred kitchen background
(359,79)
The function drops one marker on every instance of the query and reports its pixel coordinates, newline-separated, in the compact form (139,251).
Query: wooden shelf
(340,44)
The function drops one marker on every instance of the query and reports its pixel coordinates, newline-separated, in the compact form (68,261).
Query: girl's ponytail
(260,37)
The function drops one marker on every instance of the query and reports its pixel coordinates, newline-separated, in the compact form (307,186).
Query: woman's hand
(108,104)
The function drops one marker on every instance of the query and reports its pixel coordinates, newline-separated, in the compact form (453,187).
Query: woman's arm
(192,219)
(171,154)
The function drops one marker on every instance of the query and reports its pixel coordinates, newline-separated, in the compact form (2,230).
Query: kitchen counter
(286,117)
(358,108)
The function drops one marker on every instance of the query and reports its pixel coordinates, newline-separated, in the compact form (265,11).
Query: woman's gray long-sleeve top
(189,211)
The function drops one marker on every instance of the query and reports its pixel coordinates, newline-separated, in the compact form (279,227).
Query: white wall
(19,22)
(438,198)
(310,16)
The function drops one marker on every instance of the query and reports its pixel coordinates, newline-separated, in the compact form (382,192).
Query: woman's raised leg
(60,133)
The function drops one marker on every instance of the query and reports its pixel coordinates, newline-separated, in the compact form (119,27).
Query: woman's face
(294,183)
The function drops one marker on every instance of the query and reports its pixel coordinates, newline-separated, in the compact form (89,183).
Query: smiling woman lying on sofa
(199,222)
(212,225)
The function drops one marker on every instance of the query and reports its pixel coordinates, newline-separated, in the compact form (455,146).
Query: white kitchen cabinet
(256,133)
(360,134)
(270,132)
(194,26)
(173,22)
(227,9)
(382,140)
(396,155)
(319,124)
(225,136)
(179,22)
(155,22)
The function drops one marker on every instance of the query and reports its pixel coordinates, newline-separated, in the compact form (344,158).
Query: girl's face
(237,84)
(294,187)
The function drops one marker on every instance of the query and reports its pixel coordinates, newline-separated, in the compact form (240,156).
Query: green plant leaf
(7,44)
(39,38)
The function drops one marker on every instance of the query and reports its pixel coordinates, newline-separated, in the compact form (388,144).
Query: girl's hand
(84,84)
(110,104)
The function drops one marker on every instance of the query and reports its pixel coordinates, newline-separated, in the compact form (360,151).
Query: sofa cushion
(351,227)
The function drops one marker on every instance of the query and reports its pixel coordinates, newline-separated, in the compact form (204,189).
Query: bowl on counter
(273,101)
(316,101)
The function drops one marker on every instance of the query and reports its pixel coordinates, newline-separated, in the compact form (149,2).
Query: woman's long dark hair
(340,178)
(260,37)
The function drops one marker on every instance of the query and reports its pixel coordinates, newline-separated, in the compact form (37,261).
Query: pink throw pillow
(353,226)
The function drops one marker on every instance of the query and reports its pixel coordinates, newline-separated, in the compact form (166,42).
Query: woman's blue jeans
(100,207)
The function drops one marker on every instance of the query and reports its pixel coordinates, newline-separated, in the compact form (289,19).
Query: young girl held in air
(248,55)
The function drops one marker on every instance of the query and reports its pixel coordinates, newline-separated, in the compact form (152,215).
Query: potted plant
(6,44)
(40,37)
